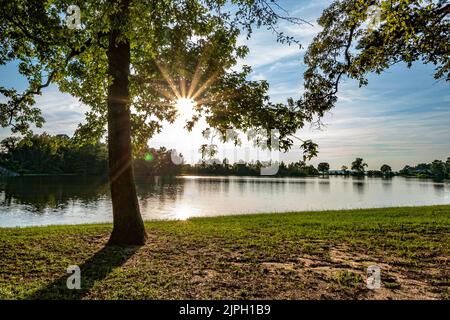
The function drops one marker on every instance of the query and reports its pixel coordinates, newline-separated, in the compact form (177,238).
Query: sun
(185,107)
(185,104)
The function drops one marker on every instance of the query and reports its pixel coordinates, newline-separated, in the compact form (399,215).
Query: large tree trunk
(128,225)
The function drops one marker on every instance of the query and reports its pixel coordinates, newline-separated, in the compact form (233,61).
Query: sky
(402,116)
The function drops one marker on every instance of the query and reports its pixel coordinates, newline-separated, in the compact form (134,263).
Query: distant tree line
(60,154)
(47,154)
(437,169)
(156,162)
(241,168)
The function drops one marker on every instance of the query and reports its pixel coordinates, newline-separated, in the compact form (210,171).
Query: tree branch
(347,59)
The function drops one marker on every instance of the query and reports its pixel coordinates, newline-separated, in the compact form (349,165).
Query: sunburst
(188,95)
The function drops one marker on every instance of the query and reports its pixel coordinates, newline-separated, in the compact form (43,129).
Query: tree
(438,169)
(344,168)
(406,170)
(351,45)
(9,144)
(359,166)
(48,154)
(386,170)
(323,167)
(130,61)
(447,164)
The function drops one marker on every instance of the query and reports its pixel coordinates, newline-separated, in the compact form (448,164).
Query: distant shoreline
(224,175)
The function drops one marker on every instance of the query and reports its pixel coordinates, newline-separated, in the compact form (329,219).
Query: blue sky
(402,117)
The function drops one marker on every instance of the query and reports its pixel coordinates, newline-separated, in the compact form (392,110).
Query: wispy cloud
(62,113)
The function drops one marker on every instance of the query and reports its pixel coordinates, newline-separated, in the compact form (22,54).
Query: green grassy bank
(306,255)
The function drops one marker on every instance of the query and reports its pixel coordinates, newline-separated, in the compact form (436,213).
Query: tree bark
(128,225)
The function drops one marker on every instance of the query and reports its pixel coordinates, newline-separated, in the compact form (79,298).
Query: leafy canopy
(359,165)
(352,44)
(179,49)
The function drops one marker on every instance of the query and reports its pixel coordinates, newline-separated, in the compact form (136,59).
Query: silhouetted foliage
(437,170)
(386,170)
(296,169)
(349,46)
(323,167)
(60,154)
(46,154)
(374,173)
(153,162)
(358,166)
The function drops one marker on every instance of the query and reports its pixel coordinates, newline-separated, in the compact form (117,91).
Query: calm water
(28,201)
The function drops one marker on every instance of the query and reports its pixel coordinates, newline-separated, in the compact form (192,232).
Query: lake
(27,201)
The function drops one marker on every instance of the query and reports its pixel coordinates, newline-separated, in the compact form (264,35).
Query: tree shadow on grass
(94,269)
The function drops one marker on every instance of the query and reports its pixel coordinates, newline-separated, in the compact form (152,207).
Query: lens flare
(149,157)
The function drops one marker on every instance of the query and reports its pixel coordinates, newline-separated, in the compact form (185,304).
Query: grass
(306,255)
